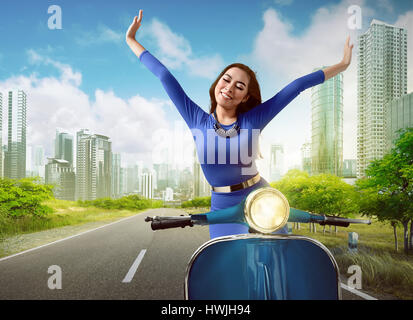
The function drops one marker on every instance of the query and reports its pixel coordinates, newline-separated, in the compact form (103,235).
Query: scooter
(260,265)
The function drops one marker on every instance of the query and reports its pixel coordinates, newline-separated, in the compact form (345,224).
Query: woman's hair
(253,90)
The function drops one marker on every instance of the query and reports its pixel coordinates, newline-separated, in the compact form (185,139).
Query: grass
(66,213)
(384,270)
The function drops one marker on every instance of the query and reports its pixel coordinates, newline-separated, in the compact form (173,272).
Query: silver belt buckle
(239,186)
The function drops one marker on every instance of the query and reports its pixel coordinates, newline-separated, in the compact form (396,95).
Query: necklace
(231,132)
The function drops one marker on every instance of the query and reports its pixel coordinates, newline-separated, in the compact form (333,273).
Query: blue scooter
(260,265)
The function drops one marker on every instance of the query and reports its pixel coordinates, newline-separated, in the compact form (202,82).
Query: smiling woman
(230,131)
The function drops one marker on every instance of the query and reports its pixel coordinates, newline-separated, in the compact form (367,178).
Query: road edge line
(67,238)
(358,293)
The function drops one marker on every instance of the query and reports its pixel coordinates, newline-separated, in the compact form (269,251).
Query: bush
(197,202)
(131,202)
(23,197)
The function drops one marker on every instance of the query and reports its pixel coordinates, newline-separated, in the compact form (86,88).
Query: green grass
(65,213)
(384,270)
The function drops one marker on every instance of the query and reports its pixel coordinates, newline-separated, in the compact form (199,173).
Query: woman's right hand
(136,23)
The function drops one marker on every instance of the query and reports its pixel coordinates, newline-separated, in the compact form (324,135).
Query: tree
(387,190)
(322,194)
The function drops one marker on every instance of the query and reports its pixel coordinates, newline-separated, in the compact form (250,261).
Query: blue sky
(89,61)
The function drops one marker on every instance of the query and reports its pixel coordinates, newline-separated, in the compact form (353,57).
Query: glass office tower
(15,157)
(327,126)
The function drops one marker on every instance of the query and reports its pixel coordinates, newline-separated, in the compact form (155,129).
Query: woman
(229,133)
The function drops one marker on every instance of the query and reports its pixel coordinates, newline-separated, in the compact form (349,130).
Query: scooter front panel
(273,267)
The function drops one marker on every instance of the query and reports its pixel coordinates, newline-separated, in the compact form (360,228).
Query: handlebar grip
(337,223)
(159,224)
(341,222)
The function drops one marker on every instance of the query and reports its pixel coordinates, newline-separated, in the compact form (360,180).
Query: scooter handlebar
(158,223)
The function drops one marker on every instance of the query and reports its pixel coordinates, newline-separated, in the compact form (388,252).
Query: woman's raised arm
(135,46)
(343,64)
(190,112)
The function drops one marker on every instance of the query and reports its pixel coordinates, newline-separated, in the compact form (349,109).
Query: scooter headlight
(266,210)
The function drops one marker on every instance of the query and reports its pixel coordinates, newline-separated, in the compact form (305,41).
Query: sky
(83,75)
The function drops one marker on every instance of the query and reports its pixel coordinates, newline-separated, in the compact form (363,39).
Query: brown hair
(254,91)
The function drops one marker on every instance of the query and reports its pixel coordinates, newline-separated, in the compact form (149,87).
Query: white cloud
(68,75)
(386,5)
(102,34)
(175,51)
(60,103)
(283,2)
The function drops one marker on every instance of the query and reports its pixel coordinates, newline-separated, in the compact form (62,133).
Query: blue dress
(228,161)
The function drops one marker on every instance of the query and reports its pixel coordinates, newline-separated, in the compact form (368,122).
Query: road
(123,260)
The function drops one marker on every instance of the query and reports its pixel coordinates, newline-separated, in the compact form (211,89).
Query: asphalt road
(123,260)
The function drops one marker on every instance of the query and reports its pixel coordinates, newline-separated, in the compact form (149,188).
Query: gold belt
(239,186)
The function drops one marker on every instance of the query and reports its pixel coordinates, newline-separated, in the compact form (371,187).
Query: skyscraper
(327,126)
(37,161)
(64,146)
(276,162)
(306,157)
(201,187)
(59,172)
(147,185)
(382,77)
(1,136)
(15,158)
(349,168)
(398,115)
(133,177)
(116,176)
(93,166)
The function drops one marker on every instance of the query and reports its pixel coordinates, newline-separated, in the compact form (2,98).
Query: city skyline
(71,93)
(139,144)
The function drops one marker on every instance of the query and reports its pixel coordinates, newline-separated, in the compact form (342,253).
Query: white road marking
(76,235)
(358,293)
(135,265)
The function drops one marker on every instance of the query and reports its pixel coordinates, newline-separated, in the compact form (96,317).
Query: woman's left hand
(347,52)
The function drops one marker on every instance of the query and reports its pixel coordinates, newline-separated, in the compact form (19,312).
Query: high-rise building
(306,157)
(93,166)
(122,181)
(201,187)
(15,157)
(327,126)
(37,161)
(132,181)
(59,172)
(1,136)
(116,176)
(161,170)
(398,115)
(349,168)
(147,185)
(64,146)
(168,194)
(276,162)
(382,77)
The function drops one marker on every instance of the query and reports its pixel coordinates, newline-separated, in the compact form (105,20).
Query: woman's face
(232,88)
